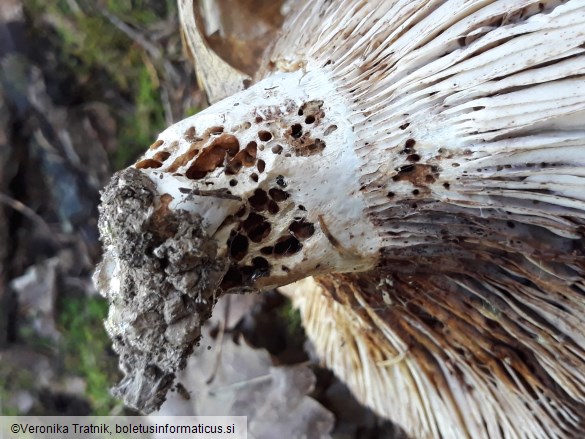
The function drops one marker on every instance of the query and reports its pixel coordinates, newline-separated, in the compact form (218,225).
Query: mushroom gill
(425,161)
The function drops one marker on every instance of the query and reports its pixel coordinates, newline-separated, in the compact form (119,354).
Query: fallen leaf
(275,399)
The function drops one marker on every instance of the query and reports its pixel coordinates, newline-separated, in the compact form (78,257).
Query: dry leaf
(245,384)
(240,30)
(214,75)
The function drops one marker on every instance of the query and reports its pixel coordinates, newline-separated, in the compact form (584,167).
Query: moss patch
(85,349)
(106,65)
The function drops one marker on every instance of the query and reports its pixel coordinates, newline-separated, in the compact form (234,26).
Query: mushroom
(421,165)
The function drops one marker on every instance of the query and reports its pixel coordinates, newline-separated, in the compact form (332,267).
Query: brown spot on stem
(417,174)
(185,158)
(161,156)
(265,136)
(312,111)
(296,131)
(301,229)
(238,246)
(278,194)
(256,227)
(330,129)
(259,201)
(287,246)
(148,163)
(213,156)
(156,144)
(190,134)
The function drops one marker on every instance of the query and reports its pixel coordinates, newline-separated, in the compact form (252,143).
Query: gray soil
(168,272)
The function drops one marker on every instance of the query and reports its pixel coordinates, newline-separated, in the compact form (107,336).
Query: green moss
(12,379)
(88,41)
(86,349)
(192,111)
(109,65)
(29,336)
(140,127)
(140,13)
(292,318)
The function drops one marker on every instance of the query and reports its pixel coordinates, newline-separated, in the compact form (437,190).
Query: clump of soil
(159,273)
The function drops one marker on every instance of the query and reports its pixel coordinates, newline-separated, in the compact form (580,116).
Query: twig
(255,380)
(26,211)
(167,107)
(217,193)
(135,35)
(240,384)
(222,326)
(154,51)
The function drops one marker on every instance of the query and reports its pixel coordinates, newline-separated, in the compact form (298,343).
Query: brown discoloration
(208,161)
(256,227)
(439,322)
(278,194)
(235,164)
(302,143)
(259,201)
(238,246)
(265,136)
(213,156)
(190,134)
(246,157)
(455,320)
(198,144)
(287,246)
(332,239)
(330,129)
(312,111)
(301,229)
(156,144)
(148,163)
(186,157)
(420,175)
(161,214)
(165,200)
(161,156)
(227,142)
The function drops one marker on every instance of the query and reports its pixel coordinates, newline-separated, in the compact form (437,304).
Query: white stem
(281,154)
(257,191)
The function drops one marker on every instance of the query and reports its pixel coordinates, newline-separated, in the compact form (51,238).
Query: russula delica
(424,162)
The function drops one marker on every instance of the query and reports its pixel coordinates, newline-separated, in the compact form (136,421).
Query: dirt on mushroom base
(166,274)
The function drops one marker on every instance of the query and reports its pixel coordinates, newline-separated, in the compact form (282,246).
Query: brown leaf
(214,75)
(240,30)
